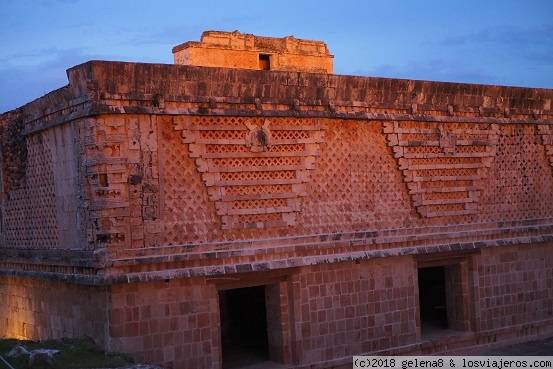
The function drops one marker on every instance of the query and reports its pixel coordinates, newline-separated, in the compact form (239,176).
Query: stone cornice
(342,112)
(101,87)
(107,267)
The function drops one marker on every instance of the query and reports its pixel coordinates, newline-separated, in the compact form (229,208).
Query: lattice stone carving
(521,185)
(443,165)
(30,214)
(546,132)
(256,170)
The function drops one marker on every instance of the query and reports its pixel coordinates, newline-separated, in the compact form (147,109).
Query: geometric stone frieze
(546,132)
(255,169)
(443,165)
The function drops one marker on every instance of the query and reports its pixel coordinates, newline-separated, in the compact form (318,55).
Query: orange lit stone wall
(246,59)
(218,58)
(236,50)
(42,310)
(328,312)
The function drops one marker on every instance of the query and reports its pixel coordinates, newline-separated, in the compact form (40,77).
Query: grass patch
(74,354)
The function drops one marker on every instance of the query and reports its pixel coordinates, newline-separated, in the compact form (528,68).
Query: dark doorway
(264,62)
(432,299)
(243,326)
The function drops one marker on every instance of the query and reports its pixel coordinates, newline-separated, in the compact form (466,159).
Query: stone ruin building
(247,202)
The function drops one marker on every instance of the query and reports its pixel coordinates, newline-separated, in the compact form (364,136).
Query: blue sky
(498,42)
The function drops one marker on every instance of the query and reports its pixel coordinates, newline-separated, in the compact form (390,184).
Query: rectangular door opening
(264,62)
(432,299)
(243,326)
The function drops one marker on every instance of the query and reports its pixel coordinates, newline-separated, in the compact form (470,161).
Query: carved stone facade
(443,167)
(255,174)
(245,51)
(152,212)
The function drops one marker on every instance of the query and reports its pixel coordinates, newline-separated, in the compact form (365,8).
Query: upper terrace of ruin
(240,50)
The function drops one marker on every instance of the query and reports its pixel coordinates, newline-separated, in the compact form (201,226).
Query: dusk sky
(498,42)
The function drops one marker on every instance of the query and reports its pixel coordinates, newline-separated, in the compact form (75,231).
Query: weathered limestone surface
(152,161)
(237,50)
(155,187)
(43,310)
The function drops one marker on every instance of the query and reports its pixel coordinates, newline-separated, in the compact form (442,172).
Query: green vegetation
(74,354)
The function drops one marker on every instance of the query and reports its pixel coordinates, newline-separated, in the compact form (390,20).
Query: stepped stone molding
(256,170)
(443,164)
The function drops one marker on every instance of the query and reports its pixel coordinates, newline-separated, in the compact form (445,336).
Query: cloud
(506,55)
(168,35)
(463,71)
(508,35)
(178,33)
(532,44)
(56,2)
(31,57)
(24,83)
(432,70)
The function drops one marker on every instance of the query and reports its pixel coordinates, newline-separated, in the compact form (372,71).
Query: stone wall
(41,310)
(515,289)
(318,315)
(199,184)
(145,185)
(149,190)
(346,308)
(245,51)
(158,170)
(172,322)
(42,210)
